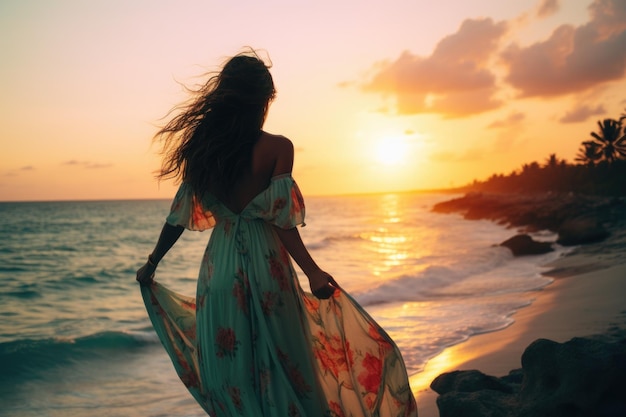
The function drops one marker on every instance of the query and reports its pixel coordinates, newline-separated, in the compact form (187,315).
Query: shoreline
(585,299)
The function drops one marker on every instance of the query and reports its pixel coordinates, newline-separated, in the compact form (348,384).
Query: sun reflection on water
(391,242)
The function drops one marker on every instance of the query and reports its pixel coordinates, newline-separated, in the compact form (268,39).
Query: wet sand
(586,298)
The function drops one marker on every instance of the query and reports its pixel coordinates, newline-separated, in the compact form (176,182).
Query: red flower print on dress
(299,384)
(240,295)
(370,400)
(241,289)
(189,377)
(297,201)
(335,305)
(383,342)
(335,409)
(293,410)
(269,303)
(279,204)
(200,300)
(264,380)
(371,375)
(187,373)
(284,255)
(201,219)
(312,304)
(278,272)
(188,305)
(235,397)
(210,270)
(226,342)
(332,357)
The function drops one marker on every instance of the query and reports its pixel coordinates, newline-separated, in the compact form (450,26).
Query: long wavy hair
(208,144)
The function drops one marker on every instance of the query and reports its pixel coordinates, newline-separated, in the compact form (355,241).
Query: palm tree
(611,140)
(589,153)
(552,161)
(530,169)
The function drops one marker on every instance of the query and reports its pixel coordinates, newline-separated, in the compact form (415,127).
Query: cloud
(511,120)
(456,80)
(86,164)
(572,59)
(15,172)
(582,112)
(72,162)
(548,8)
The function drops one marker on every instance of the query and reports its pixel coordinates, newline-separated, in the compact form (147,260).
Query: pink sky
(377,96)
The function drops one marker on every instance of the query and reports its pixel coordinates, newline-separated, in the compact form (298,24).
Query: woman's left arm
(168,237)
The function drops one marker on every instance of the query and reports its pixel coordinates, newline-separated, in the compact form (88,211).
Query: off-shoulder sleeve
(188,212)
(282,204)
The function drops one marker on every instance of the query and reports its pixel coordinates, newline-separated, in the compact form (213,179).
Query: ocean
(75,339)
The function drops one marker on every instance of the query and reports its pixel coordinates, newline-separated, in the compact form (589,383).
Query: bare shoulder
(275,142)
(272,155)
(276,150)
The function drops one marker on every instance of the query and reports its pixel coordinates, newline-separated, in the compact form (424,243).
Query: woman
(252,342)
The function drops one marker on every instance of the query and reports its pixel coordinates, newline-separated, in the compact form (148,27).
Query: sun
(391,150)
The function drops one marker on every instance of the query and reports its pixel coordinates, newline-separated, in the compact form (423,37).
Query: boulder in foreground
(584,377)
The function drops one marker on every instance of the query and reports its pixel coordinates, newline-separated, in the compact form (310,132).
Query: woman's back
(271,155)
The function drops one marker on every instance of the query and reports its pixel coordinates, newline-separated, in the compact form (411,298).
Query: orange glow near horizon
(398,99)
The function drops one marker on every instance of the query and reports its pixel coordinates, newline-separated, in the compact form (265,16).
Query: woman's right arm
(322,283)
(169,235)
(282,152)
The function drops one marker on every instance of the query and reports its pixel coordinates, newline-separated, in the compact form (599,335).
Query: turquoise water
(75,339)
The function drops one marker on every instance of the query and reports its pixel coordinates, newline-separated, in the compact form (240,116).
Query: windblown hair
(208,144)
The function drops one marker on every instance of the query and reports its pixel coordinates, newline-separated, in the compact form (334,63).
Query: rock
(581,230)
(472,393)
(581,377)
(525,245)
(584,377)
(468,381)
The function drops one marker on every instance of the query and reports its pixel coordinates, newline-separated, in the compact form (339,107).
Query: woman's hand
(145,274)
(322,284)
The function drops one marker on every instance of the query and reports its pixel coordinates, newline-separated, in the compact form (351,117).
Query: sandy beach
(586,298)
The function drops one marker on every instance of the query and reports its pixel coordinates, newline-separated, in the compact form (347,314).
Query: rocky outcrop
(581,230)
(578,219)
(523,244)
(584,377)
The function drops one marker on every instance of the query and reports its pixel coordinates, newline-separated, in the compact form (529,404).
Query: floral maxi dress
(252,342)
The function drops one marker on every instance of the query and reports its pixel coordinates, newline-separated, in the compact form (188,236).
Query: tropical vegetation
(599,168)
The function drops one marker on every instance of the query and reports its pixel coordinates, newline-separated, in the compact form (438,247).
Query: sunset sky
(376,96)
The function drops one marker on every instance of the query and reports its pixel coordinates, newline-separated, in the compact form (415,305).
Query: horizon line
(451,190)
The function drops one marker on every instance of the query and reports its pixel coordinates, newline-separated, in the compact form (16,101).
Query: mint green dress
(252,342)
